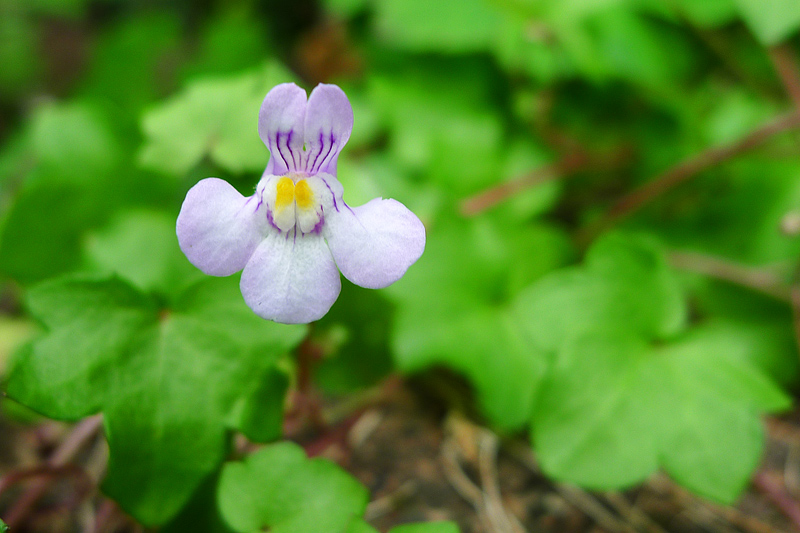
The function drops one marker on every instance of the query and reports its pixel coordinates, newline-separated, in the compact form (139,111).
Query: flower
(293,233)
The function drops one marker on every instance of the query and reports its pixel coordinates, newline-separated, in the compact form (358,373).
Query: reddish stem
(687,169)
(83,433)
(779,496)
(785,63)
(489,198)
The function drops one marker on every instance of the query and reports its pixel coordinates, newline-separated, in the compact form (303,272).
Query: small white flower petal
(280,126)
(218,228)
(327,127)
(312,196)
(291,278)
(374,244)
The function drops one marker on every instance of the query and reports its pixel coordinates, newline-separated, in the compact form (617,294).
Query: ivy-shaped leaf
(281,489)
(628,392)
(278,489)
(625,284)
(471,324)
(68,188)
(167,380)
(140,246)
(615,408)
(215,117)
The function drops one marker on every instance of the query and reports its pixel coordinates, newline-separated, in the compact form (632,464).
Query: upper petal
(280,126)
(374,244)
(218,228)
(327,127)
(291,278)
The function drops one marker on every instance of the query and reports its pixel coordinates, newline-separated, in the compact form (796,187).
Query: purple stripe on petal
(324,164)
(280,152)
(283,114)
(319,152)
(327,126)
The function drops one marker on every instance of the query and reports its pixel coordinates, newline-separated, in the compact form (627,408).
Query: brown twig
(709,516)
(633,514)
(575,161)
(486,498)
(779,496)
(81,435)
(785,63)
(489,198)
(576,496)
(759,280)
(794,295)
(390,502)
(687,169)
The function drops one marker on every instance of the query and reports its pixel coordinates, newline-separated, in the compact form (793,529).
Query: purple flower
(293,233)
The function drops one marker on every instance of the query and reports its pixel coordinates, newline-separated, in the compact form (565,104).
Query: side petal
(327,127)
(218,228)
(291,279)
(374,244)
(280,126)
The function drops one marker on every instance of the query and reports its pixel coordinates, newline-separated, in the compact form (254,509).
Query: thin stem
(779,496)
(482,201)
(687,169)
(755,279)
(573,162)
(785,63)
(81,435)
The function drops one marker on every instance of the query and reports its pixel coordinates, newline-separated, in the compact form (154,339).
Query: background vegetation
(611,190)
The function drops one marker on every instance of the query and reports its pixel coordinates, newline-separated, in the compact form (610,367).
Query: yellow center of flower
(303,195)
(285,193)
(288,191)
(295,203)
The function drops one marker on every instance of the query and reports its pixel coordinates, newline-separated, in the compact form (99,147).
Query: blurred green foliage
(511,127)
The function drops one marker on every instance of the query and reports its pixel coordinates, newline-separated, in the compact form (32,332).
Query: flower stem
(685,170)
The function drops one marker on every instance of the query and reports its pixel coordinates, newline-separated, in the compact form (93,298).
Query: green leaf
(141,247)
(709,13)
(356,334)
(772,21)
(216,118)
(72,187)
(148,40)
(624,285)
(166,380)
(232,41)
(614,408)
(464,317)
(201,514)
(346,8)
(442,128)
(41,234)
(279,488)
(74,140)
(3,527)
(258,413)
(19,68)
(417,24)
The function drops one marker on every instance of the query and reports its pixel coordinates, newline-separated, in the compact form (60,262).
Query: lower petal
(218,228)
(291,279)
(374,244)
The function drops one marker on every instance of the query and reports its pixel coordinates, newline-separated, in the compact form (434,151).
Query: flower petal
(374,244)
(218,228)
(280,126)
(327,127)
(291,278)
